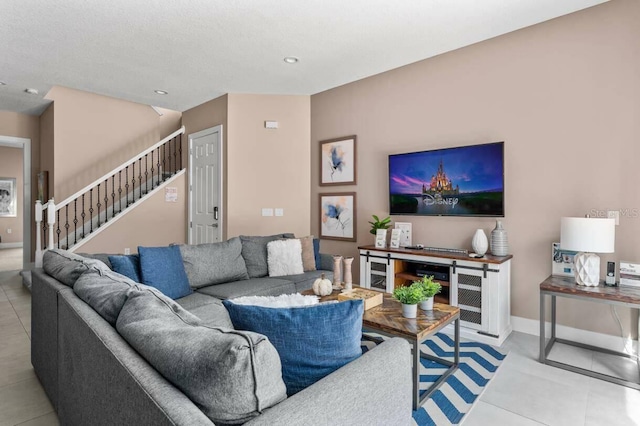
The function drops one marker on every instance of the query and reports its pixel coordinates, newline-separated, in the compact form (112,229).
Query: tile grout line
(35,418)
(515,414)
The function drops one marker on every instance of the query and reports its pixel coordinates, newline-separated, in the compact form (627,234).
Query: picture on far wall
(338,216)
(338,161)
(8,203)
(43,187)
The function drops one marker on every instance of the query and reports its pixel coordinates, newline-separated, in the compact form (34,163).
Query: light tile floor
(523,392)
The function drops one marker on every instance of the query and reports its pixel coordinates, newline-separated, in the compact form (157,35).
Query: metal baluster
(106,200)
(91,210)
(126,184)
(146,173)
(44,231)
(175,157)
(119,191)
(75,221)
(113,195)
(98,206)
(66,224)
(159,170)
(140,177)
(180,150)
(83,215)
(164,161)
(152,170)
(133,183)
(58,228)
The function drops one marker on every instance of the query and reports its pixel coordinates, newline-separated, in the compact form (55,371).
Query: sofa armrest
(373,389)
(326,262)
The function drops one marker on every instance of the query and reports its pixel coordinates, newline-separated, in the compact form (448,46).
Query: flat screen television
(460,181)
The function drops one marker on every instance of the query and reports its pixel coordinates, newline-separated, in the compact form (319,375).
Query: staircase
(85,214)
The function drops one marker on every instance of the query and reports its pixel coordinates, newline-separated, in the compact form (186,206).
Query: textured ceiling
(199,49)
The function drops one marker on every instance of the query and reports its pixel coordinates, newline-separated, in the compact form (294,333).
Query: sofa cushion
(207,264)
(102,257)
(127,265)
(284,257)
(254,252)
(209,309)
(253,287)
(308,254)
(162,268)
(67,267)
(313,341)
(316,253)
(230,375)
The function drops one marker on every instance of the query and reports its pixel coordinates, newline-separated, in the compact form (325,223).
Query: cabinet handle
(453,265)
(388,259)
(485,269)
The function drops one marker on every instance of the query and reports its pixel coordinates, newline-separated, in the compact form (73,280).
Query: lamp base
(587,269)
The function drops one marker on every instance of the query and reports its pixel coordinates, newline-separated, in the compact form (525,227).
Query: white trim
(25,145)
(10,245)
(191,137)
(615,343)
(131,207)
(119,168)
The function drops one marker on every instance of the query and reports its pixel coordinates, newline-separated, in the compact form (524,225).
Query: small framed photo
(562,261)
(395,238)
(8,197)
(405,233)
(338,161)
(381,238)
(43,186)
(338,216)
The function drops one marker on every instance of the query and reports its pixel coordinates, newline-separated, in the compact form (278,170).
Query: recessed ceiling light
(161,92)
(291,59)
(31,91)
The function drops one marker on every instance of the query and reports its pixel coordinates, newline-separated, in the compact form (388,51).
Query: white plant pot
(409,311)
(480,243)
(427,305)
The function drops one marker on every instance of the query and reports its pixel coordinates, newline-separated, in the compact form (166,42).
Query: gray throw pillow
(216,263)
(67,267)
(254,252)
(230,375)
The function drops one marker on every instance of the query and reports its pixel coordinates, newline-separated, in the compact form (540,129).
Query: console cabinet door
(378,273)
(467,293)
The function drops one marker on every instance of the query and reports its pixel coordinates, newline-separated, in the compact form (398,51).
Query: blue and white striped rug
(448,405)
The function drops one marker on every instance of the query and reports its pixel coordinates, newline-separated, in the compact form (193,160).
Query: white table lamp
(587,236)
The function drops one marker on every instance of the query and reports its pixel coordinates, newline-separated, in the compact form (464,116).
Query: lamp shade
(593,235)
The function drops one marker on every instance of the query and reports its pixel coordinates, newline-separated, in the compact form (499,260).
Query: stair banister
(124,165)
(51,219)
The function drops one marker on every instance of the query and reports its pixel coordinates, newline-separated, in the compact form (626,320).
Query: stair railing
(81,214)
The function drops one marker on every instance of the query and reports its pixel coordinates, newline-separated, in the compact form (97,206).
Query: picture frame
(338,216)
(405,233)
(43,186)
(338,161)
(562,261)
(8,197)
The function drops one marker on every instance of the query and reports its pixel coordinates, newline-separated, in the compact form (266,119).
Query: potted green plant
(379,224)
(429,288)
(409,297)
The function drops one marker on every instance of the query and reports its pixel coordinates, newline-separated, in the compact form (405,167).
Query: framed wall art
(8,197)
(562,261)
(43,187)
(338,216)
(338,161)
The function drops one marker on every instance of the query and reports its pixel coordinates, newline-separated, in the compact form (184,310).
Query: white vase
(427,305)
(337,260)
(348,278)
(409,311)
(499,242)
(480,243)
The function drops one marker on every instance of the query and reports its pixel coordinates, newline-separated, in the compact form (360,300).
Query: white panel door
(205,180)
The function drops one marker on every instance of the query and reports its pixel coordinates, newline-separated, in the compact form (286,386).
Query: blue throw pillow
(127,265)
(162,268)
(313,341)
(316,253)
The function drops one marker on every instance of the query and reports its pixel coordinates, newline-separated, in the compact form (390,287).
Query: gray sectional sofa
(94,376)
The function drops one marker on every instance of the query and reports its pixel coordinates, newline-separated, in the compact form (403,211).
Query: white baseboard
(615,343)
(10,245)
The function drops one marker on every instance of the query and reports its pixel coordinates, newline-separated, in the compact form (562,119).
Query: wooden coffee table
(387,320)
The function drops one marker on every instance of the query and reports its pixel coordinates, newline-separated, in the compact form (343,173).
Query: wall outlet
(127,250)
(9,230)
(267,212)
(279,212)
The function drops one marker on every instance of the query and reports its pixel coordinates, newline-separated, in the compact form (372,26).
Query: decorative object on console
(377,224)
(395,238)
(338,216)
(429,289)
(409,297)
(405,235)
(322,286)
(338,161)
(562,261)
(587,236)
(480,243)
(337,277)
(499,242)
(381,238)
(348,278)
(610,278)
(630,274)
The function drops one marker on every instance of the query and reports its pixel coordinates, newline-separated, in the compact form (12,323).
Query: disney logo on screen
(430,200)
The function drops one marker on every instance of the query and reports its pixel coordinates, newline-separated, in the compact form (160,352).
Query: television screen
(461,181)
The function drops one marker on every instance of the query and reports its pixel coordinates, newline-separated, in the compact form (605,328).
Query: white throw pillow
(282,301)
(284,257)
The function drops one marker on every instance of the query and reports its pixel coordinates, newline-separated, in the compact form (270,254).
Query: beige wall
(205,116)
(11,167)
(24,126)
(94,134)
(268,168)
(46,146)
(563,95)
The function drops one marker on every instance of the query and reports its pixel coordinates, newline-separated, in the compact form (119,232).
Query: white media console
(480,287)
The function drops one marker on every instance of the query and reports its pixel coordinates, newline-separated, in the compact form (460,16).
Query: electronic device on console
(438,272)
